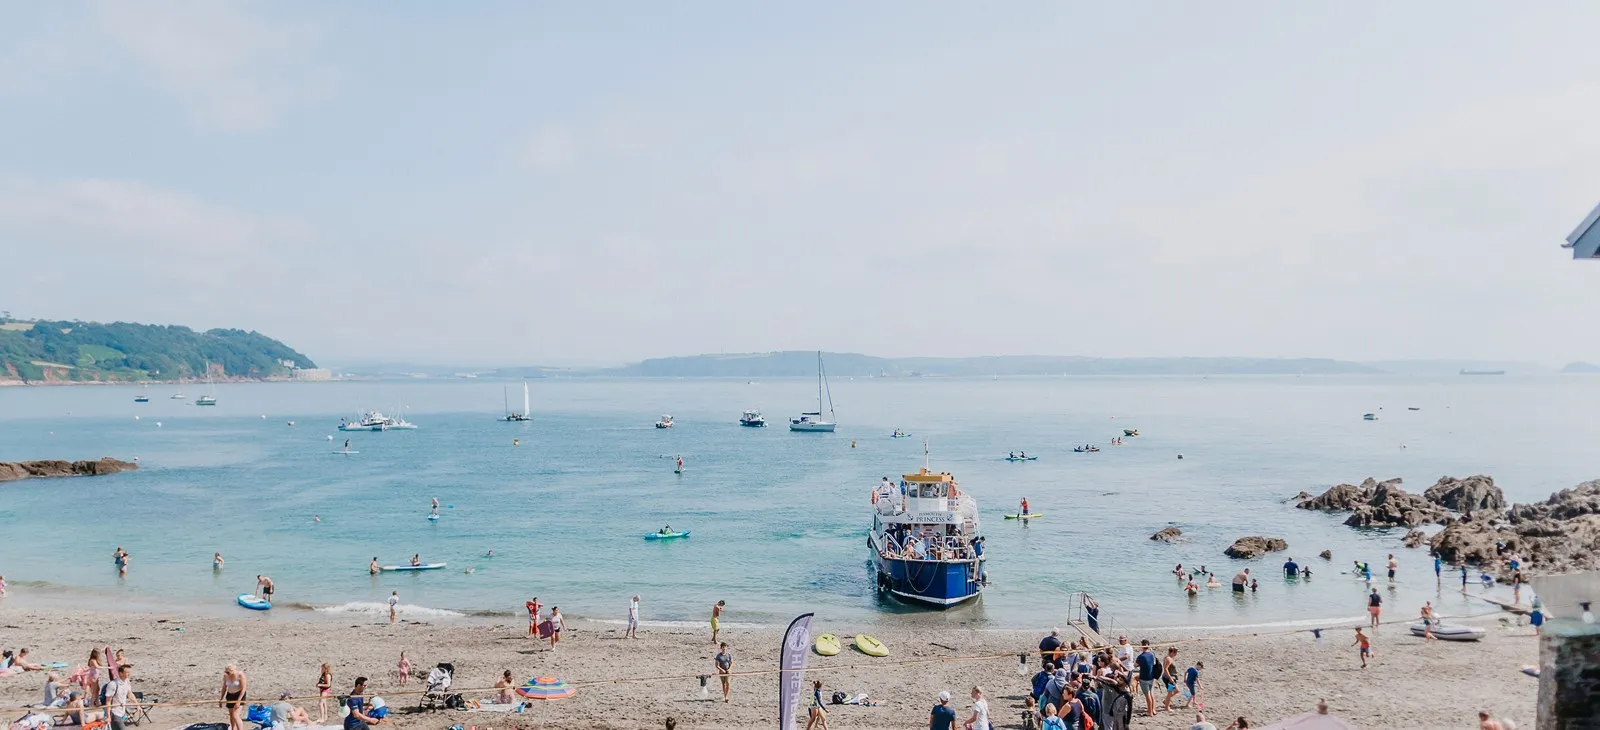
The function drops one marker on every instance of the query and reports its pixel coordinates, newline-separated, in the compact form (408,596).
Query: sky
(527,183)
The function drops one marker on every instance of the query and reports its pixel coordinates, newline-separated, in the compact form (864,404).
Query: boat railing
(954,550)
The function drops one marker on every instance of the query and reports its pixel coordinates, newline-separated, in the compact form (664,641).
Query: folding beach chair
(141,714)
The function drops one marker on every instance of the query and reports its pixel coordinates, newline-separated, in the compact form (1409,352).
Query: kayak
(253,602)
(1022,458)
(870,646)
(402,568)
(667,535)
(1029,516)
(826,645)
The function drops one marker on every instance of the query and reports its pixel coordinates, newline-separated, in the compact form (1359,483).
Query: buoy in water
(852,444)
(1180,456)
(158,425)
(135,418)
(516,442)
(263,416)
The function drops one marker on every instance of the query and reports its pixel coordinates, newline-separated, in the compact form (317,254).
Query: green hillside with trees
(42,351)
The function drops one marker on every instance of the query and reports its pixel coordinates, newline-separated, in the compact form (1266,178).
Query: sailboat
(514,416)
(210,398)
(814,422)
(143,396)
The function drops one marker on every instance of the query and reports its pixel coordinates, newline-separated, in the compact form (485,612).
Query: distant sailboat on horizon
(513,416)
(210,398)
(814,422)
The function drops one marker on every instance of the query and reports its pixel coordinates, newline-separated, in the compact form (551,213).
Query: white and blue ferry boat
(923,540)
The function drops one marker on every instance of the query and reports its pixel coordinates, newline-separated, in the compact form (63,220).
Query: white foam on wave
(678,624)
(382,609)
(1323,623)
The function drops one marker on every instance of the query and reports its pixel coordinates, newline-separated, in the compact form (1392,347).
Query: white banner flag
(796,643)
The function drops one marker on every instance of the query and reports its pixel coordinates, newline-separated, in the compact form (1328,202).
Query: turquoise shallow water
(779,519)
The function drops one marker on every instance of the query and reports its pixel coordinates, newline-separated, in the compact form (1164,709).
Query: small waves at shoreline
(1304,624)
(366,608)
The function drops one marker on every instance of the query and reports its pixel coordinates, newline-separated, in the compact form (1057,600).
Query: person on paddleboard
(435,512)
(416,560)
(264,587)
(1024,505)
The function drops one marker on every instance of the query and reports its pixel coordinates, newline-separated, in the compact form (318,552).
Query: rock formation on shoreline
(1167,534)
(1255,546)
(10,470)
(1385,504)
(1558,535)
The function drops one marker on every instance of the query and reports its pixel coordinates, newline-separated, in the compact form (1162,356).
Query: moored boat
(665,422)
(923,540)
(1449,632)
(753,419)
(813,422)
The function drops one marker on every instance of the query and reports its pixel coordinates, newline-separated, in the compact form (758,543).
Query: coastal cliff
(13,470)
(92,352)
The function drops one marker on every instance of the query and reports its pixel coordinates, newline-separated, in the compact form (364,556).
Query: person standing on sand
(556,625)
(324,691)
(402,669)
(943,717)
(633,619)
(1365,644)
(235,693)
(533,617)
(1050,648)
(1488,723)
(1149,668)
(119,694)
(724,660)
(980,712)
(394,602)
(716,619)
(1374,607)
(1169,676)
(1516,587)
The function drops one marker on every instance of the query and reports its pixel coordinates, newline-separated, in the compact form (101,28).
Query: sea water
(779,519)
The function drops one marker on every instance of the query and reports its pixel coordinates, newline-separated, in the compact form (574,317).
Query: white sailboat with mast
(513,416)
(210,398)
(814,422)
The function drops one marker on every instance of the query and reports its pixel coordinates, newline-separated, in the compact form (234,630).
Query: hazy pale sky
(522,182)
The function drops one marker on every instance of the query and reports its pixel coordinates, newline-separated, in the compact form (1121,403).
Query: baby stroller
(438,693)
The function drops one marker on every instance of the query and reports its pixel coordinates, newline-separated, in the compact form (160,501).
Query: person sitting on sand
(20,661)
(502,686)
(358,719)
(283,715)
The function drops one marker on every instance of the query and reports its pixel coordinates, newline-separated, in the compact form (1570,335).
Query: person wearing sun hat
(943,716)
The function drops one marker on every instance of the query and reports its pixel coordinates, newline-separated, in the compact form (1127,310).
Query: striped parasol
(546,688)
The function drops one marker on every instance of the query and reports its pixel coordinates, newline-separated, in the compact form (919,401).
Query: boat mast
(525,408)
(505,396)
(819,384)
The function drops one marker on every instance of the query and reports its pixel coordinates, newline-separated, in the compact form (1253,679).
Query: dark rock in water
(1414,538)
(1301,497)
(1326,555)
(1390,506)
(1255,547)
(1473,494)
(1346,497)
(1170,534)
(1558,535)
(56,468)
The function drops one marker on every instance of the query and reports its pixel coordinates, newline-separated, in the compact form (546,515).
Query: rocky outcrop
(1255,547)
(10,470)
(1414,538)
(1391,506)
(1473,494)
(1169,534)
(1346,497)
(1326,555)
(1558,535)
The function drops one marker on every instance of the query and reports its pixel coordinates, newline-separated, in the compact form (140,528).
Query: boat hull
(753,424)
(932,583)
(812,427)
(360,427)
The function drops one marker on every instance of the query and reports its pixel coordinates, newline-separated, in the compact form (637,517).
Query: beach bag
(455,702)
(258,714)
(839,697)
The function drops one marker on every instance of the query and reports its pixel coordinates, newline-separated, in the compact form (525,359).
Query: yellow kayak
(870,646)
(826,645)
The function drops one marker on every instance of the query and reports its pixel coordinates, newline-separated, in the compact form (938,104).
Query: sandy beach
(625,683)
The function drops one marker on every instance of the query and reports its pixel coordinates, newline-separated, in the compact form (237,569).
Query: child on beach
(394,603)
(403,669)
(533,617)
(556,625)
(324,690)
(724,661)
(716,619)
(1191,686)
(1365,644)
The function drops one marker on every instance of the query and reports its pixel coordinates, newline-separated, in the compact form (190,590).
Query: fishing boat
(513,416)
(210,398)
(814,422)
(922,540)
(399,423)
(369,421)
(753,419)
(665,422)
(143,396)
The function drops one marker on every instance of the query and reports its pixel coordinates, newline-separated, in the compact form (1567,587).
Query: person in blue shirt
(1438,568)
(943,716)
(1149,668)
(1291,568)
(1091,702)
(1040,680)
(358,719)
(1191,683)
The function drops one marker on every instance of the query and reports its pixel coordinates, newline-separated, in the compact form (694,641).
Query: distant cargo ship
(1483,372)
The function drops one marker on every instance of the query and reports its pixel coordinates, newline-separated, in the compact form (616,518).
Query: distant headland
(40,351)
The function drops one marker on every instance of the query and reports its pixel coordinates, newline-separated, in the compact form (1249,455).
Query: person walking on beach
(817,714)
(119,694)
(264,587)
(1149,668)
(1365,644)
(556,625)
(1516,586)
(1169,676)
(716,619)
(724,660)
(324,691)
(1374,607)
(980,712)
(1392,565)
(633,619)
(943,717)
(1191,684)
(394,602)
(234,696)
(402,669)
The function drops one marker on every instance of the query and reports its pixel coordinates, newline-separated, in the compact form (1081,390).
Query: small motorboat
(1413,408)
(753,419)
(1452,632)
(898,434)
(1130,432)
(1369,416)
(665,422)
(1088,450)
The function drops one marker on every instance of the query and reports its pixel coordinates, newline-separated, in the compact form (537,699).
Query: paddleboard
(668,536)
(870,646)
(53,665)
(433,518)
(1028,516)
(253,602)
(403,568)
(826,645)
(344,453)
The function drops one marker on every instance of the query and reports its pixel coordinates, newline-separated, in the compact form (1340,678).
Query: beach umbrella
(546,688)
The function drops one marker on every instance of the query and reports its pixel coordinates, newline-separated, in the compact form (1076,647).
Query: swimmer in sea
(216,561)
(316,518)
(1211,581)
(1192,588)
(489,554)
(372,568)
(1178,571)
